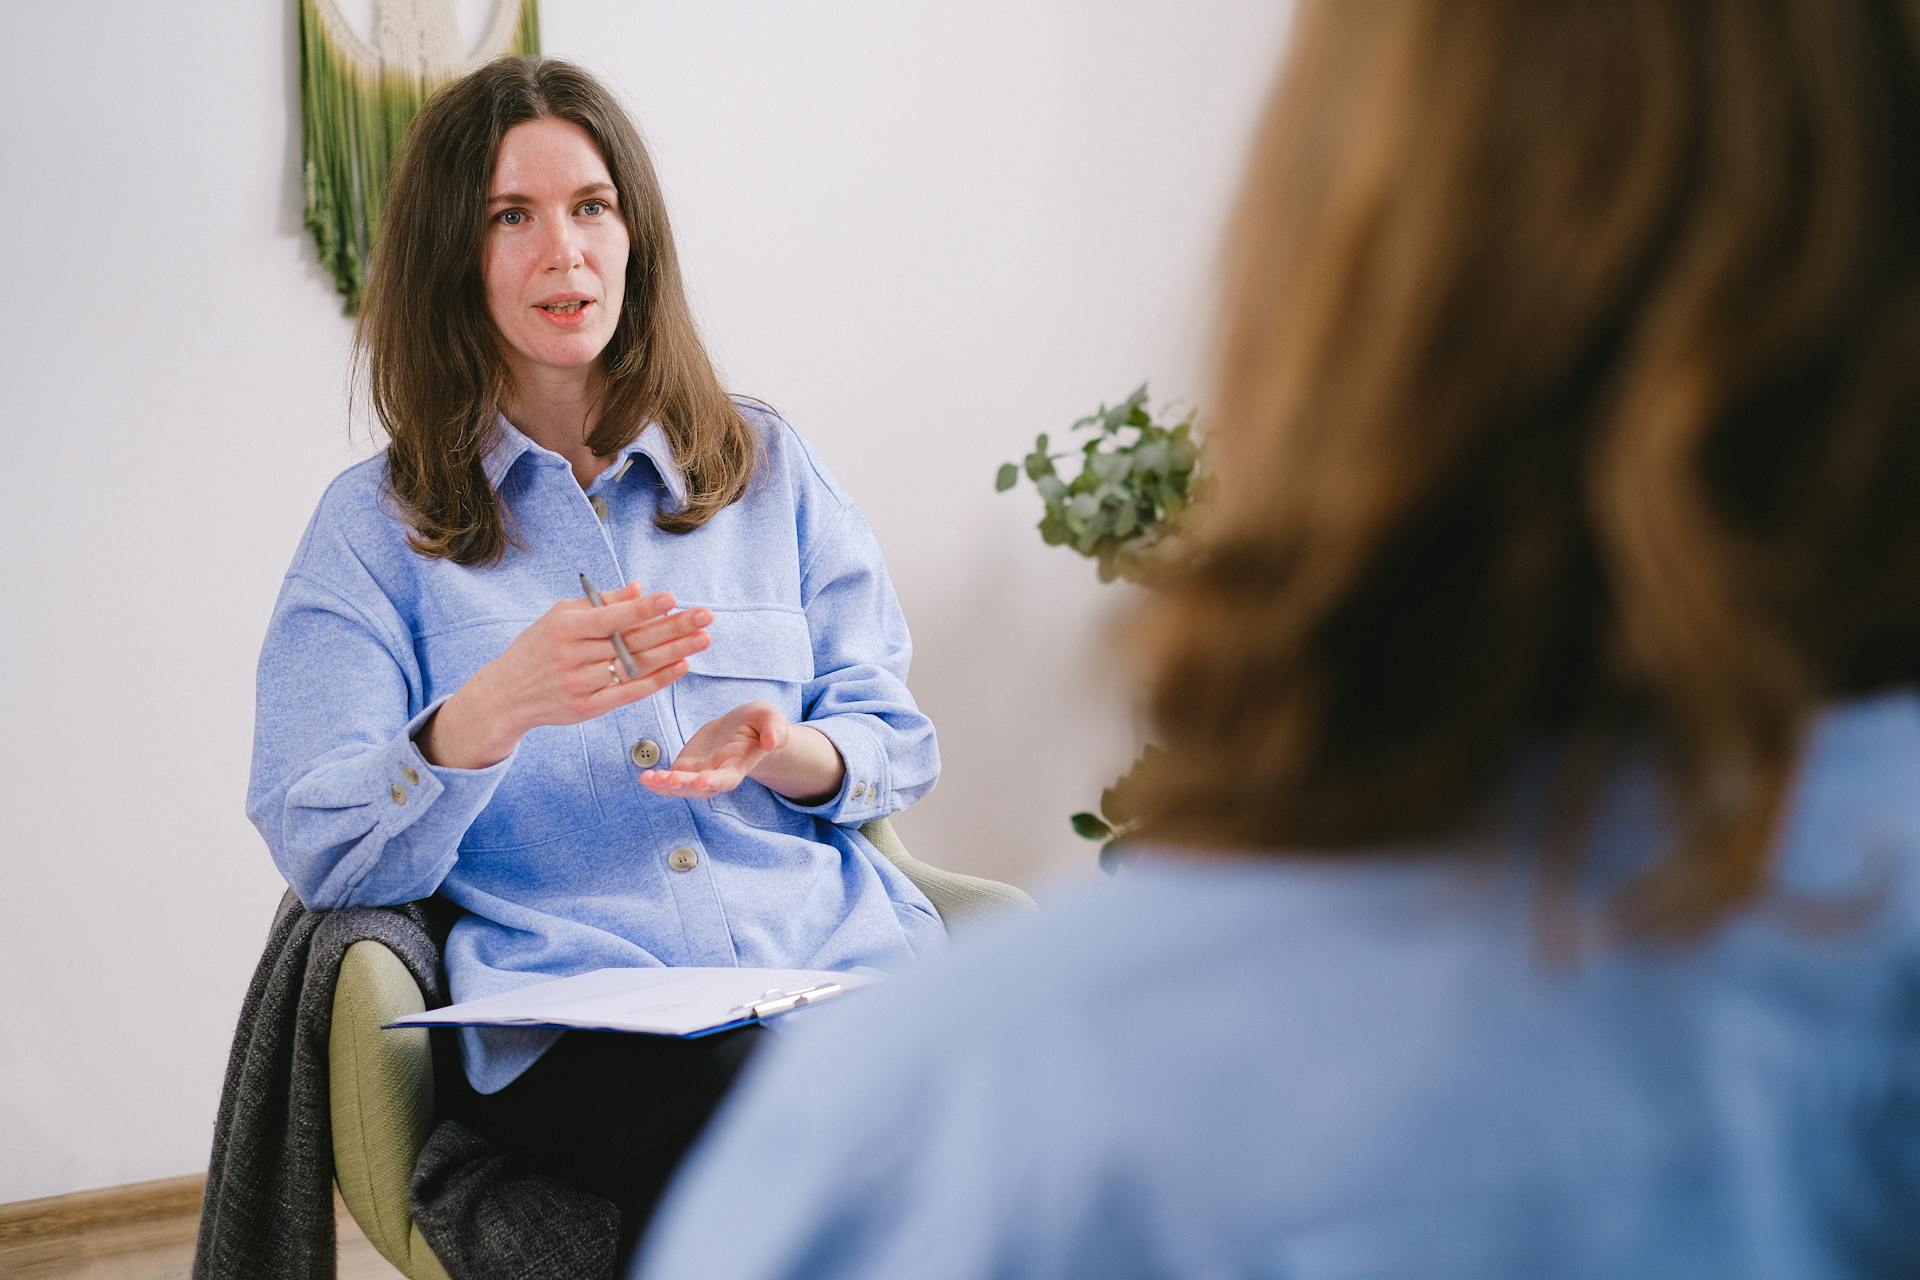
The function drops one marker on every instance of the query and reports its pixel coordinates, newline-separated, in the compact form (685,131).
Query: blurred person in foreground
(1534,887)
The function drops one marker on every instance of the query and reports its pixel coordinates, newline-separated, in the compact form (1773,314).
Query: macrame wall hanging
(356,100)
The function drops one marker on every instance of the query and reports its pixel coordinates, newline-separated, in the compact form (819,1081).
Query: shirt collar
(510,443)
(653,445)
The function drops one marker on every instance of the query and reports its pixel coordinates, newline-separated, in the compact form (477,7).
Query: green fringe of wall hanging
(356,100)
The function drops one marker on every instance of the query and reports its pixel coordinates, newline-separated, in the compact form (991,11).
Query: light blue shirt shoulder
(560,859)
(1315,1069)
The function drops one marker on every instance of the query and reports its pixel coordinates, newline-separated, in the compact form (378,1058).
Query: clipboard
(682,1002)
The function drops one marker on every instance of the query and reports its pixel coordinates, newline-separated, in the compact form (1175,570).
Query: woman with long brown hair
(594,784)
(1534,886)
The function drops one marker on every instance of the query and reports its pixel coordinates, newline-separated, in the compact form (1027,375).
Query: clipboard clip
(779,1001)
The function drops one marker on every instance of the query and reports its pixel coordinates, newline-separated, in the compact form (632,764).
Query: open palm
(723,752)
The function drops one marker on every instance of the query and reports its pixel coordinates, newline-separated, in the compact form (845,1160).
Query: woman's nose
(561,252)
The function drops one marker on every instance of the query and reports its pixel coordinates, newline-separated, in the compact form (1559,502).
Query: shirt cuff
(866,790)
(429,807)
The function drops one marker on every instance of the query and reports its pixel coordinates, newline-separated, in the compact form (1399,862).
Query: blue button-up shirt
(561,859)
(1328,1069)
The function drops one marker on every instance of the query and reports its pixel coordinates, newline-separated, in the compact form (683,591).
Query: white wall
(925,232)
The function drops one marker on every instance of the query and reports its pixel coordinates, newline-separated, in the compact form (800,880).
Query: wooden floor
(68,1242)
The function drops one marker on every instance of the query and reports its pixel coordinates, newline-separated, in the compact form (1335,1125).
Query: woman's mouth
(568,313)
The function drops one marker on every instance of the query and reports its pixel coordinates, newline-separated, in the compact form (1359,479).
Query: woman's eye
(594,208)
(509,217)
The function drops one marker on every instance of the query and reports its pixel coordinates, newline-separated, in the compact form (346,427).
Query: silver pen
(777,1001)
(619,645)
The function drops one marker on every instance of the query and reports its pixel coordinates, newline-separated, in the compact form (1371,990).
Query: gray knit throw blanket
(268,1208)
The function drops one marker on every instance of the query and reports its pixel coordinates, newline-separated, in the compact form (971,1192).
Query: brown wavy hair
(1568,385)
(434,370)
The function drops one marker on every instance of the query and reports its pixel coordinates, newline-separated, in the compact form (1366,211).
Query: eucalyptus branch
(1120,811)
(1137,478)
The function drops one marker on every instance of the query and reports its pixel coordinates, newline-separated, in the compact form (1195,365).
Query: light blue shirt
(561,860)
(1330,1070)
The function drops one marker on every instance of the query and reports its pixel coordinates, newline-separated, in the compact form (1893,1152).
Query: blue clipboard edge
(574,1026)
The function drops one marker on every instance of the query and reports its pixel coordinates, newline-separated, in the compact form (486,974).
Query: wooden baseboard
(82,1211)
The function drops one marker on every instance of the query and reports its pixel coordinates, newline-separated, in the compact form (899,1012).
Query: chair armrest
(963,901)
(381,1087)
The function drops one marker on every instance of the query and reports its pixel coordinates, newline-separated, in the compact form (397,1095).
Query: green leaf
(1123,500)
(1009,476)
(1089,827)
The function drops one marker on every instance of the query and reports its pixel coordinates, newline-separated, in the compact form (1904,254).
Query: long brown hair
(1568,376)
(435,372)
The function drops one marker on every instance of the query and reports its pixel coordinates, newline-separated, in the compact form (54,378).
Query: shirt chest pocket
(757,655)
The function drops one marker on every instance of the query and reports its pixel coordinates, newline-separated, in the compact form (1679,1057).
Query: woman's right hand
(556,672)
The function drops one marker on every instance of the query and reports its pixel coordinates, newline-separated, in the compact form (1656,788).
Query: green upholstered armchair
(382,1081)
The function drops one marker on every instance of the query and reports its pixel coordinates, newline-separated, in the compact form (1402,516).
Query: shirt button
(399,796)
(683,859)
(646,753)
(599,506)
(413,778)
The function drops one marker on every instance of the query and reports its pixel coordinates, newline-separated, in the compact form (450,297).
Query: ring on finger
(613,671)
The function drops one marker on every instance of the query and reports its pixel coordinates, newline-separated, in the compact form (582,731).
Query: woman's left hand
(723,752)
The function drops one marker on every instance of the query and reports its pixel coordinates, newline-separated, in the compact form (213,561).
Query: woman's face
(555,258)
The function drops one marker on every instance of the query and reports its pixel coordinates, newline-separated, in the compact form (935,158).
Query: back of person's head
(436,374)
(1569,381)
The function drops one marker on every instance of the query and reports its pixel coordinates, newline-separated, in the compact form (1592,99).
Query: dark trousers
(610,1113)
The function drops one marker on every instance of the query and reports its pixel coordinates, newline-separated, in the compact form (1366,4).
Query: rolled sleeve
(865,793)
(352,812)
(858,697)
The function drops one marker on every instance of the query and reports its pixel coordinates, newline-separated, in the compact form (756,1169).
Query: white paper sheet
(672,1002)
